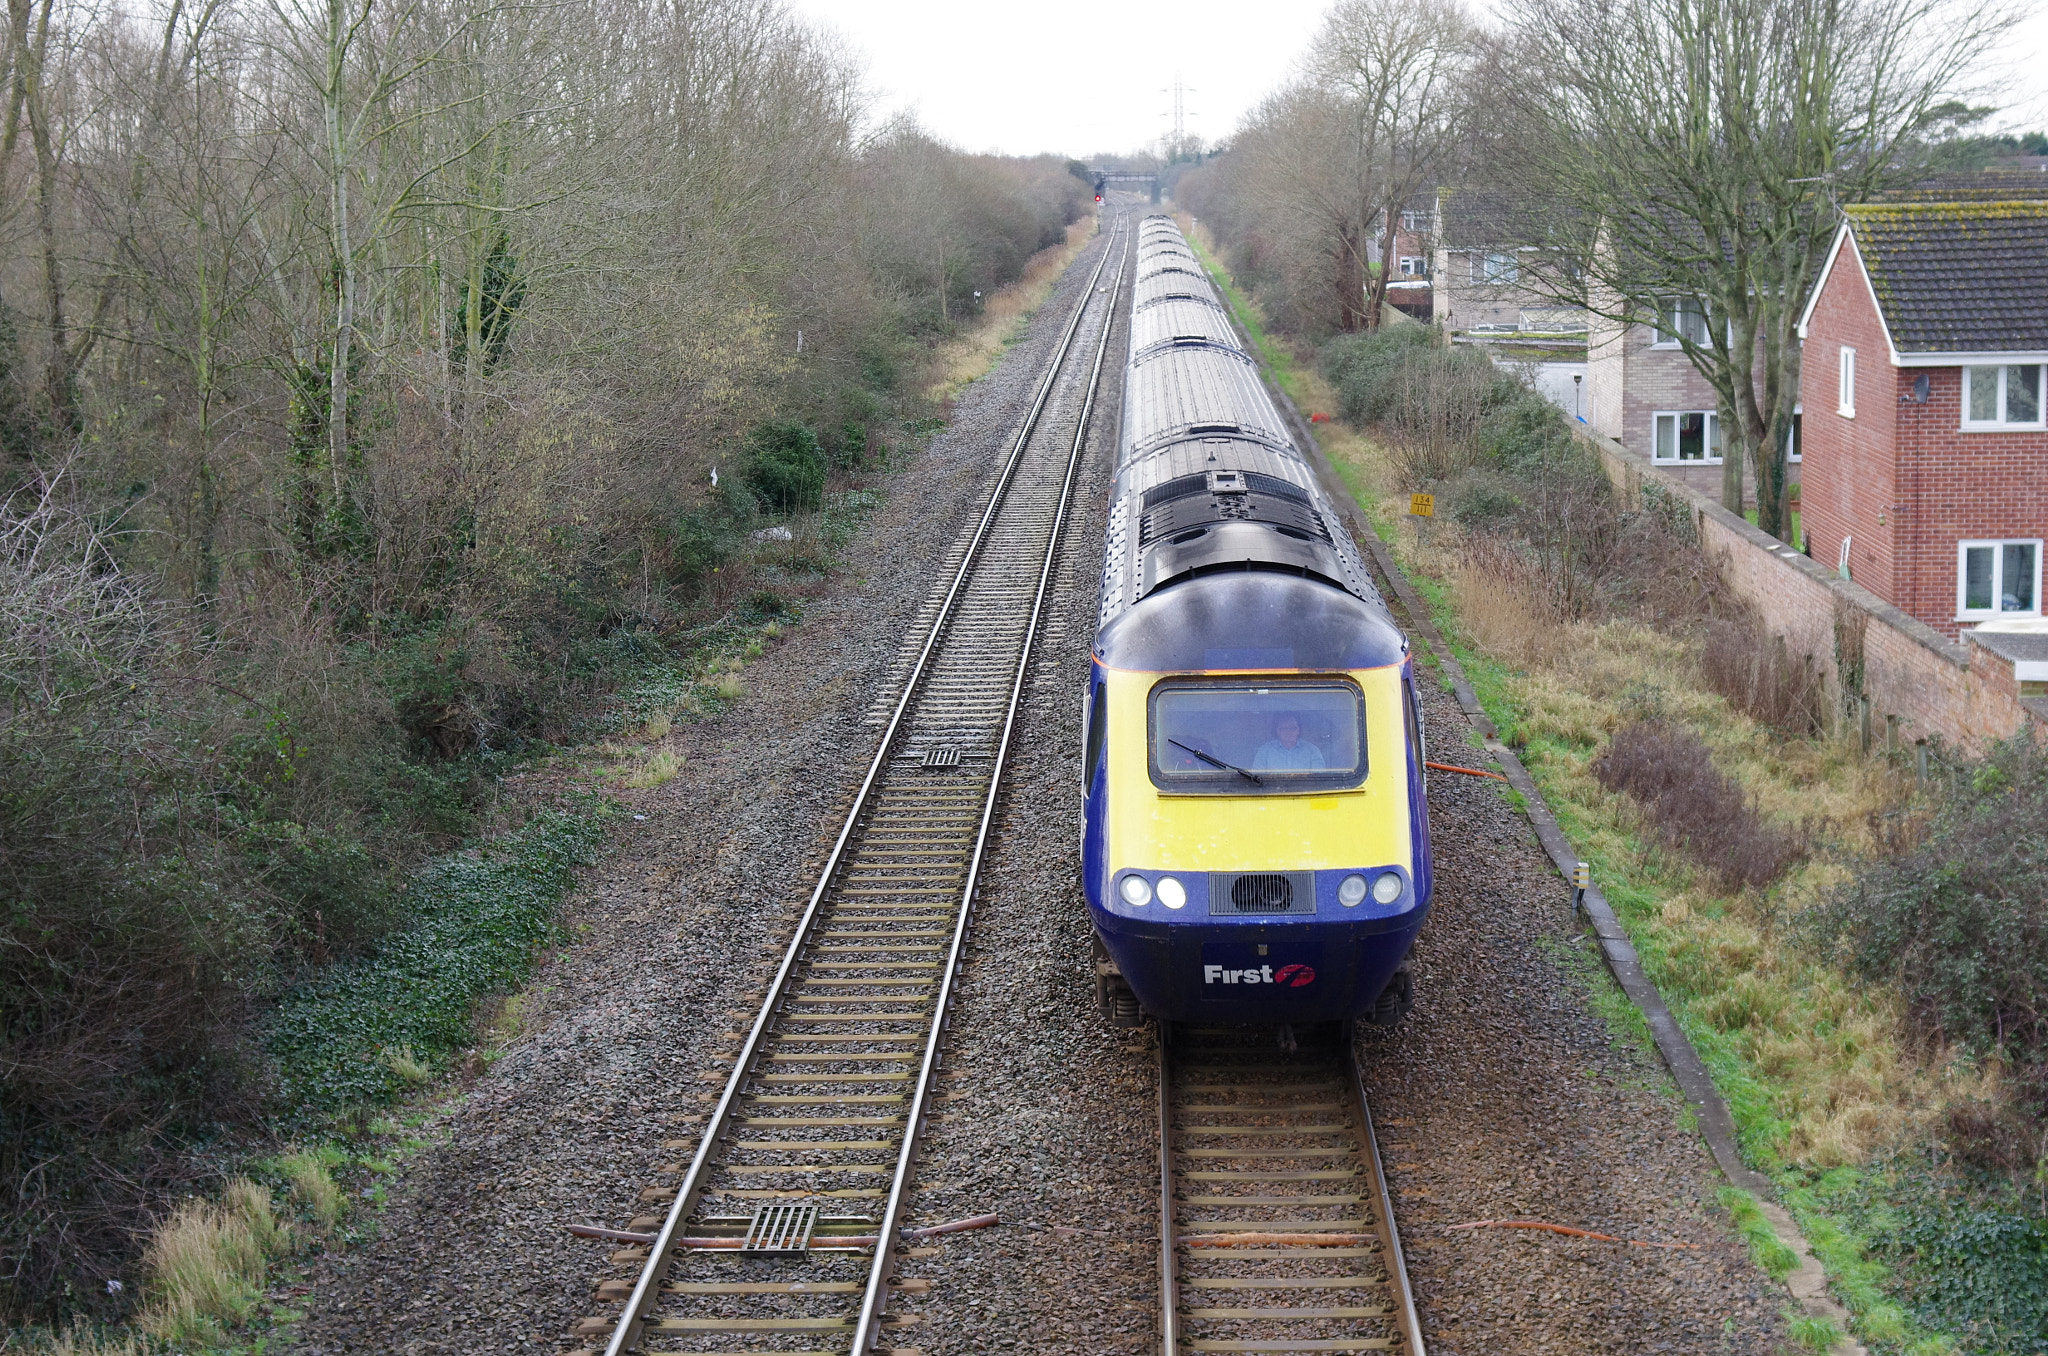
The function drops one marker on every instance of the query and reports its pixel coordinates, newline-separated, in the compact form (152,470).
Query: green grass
(1764,1247)
(1796,543)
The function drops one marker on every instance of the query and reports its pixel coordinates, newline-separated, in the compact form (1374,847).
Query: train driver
(1287,751)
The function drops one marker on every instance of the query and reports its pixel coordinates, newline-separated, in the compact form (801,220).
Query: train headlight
(1387,888)
(1136,890)
(1351,893)
(1171,892)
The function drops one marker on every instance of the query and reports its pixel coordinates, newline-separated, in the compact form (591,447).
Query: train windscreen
(1239,738)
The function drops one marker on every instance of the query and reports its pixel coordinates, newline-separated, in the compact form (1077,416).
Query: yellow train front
(1255,841)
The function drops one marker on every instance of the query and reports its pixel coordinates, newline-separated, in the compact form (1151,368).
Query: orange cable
(1468,771)
(1564,1229)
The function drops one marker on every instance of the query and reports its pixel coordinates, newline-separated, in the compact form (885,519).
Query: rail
(1291,1240)
(828,1041)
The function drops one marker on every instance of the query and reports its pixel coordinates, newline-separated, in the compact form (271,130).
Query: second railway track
(781,1236)
(1276,1227)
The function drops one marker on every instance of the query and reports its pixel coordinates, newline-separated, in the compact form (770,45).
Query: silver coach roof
(1175,318)
(1194,404)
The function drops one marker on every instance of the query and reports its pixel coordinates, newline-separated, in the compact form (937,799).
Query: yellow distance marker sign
(1422,505)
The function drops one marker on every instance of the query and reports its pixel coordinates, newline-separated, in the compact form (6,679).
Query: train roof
(1191,390)
(1182,318)
(1251,619)
(1170,287)
(1209,481)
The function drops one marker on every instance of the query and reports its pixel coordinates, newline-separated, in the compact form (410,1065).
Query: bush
(1956,916)
(785,466)
(1751,669)
(1693,806)
(1983,1270)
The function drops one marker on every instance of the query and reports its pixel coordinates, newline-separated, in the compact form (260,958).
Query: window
(1688,435)
(1239,739)
(1413,266)
(1845,384)
(1794,442)
(1683,317)
(1495,268)
(1997,579)
(1091,754)
(2002,397)
(1415,222)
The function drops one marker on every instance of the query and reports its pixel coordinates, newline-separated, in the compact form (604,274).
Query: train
(1255,827)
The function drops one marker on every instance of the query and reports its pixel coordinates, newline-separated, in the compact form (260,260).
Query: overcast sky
(1081,76)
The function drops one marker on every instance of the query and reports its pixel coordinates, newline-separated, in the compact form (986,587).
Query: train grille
(1262,892)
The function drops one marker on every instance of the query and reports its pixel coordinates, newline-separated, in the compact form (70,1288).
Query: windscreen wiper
(1218,762)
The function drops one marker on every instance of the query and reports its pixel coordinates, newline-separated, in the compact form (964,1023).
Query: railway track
(1276,1230)
(781,1237)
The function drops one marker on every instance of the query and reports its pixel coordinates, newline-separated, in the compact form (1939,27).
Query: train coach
(1255,844)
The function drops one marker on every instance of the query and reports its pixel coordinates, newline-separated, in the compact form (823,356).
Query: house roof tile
(1975,186)
(1958,277)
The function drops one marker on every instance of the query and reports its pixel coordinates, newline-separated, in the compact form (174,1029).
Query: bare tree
(1693,155)
(1397,69)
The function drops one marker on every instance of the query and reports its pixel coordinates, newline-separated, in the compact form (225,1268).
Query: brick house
(1483,247)
(1408,285)
(1643,392)
(1922,380)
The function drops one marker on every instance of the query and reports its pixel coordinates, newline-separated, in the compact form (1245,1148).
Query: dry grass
(658,769)
(1503,605)
(729,686)
(207,1263)
(1833,1052)
(1003,314)
(313,1185)
(411,1071)
(72,1342)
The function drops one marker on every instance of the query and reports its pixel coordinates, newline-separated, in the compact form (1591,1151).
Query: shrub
(1956,917)
(1981,1269)
(1693,806)
(1751,669)
(785,466)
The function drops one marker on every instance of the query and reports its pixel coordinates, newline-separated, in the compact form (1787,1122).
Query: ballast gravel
(1502,1096)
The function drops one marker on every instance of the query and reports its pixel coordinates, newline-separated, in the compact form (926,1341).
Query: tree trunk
(344,255)
(60,386)
(1376,282)
(1349,279)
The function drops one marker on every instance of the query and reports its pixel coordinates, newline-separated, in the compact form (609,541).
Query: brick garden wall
(1935,688)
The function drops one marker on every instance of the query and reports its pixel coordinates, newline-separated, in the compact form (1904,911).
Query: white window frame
(1414,266)
(1415,223)
(1713,437)
(1998,425)
(1845,382)
(1797,452)
(1496,268)
(1675,311)
(1997,547)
